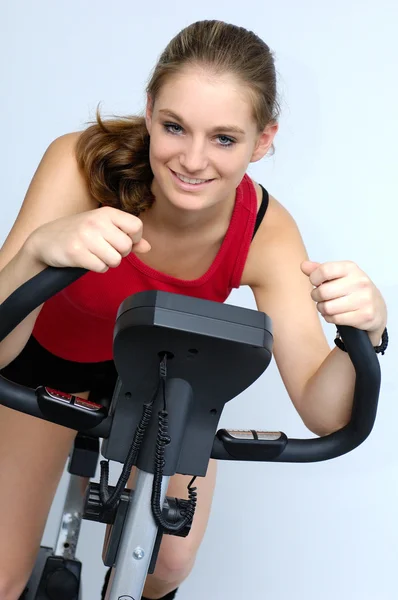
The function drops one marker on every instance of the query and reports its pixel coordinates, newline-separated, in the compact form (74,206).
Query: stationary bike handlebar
(228,445)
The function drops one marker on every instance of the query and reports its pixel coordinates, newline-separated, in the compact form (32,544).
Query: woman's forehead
(192,97)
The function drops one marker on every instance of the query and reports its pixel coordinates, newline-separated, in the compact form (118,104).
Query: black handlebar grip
(34,292)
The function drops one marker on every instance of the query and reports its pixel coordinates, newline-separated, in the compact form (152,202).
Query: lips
(196,178)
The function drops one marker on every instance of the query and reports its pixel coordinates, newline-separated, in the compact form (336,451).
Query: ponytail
(114,158)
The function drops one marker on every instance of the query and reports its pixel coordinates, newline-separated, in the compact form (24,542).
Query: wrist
(378,340)
(375,336)
(28,257)
(29,253)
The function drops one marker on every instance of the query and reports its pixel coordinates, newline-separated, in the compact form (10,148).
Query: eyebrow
(218,129)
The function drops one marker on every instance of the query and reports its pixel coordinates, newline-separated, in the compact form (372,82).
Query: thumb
(308,267)
(141,247)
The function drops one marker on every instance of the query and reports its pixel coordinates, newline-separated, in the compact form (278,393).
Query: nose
(193,158)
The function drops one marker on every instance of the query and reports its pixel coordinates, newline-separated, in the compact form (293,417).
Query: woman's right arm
(56,190)
(12,276)
(61,225)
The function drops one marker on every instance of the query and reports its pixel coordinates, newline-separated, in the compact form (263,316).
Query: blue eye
(176,129)
(171,127)
(228,139)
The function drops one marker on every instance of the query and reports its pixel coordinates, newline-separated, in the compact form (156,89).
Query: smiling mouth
(191,180)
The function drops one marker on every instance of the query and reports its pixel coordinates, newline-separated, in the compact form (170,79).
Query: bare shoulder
(63,147)
(58,172)
(57,189)
(278,225)
(60,160)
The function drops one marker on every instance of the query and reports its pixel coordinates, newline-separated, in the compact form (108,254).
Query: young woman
(163,201)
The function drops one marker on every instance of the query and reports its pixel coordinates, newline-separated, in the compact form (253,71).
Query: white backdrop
(324,530)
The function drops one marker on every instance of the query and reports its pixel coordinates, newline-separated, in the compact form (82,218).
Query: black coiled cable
(110,501)
(162,440)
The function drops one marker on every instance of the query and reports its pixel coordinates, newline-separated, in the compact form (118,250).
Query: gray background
(276,531)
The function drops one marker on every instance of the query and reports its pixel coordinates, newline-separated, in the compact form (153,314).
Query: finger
(308,266)
(142,247)
(91,262)
(335,307)
(105,252)
(352,302)
(129,224)
(119,240)
(352,318)
(124,242)
(331,270)
(336,288)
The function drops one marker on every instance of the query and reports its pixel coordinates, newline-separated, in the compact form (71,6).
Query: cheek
(161,150)
(157,157)
(233,163)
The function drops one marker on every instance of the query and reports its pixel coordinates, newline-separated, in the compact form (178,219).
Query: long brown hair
(114,154)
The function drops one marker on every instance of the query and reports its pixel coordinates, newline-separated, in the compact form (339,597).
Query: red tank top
(77,323)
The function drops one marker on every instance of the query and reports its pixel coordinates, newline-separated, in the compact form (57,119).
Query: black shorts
(36,366)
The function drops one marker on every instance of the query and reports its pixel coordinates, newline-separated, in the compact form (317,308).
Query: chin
(186,201)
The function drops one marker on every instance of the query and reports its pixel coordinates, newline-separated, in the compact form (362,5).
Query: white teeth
(187,180)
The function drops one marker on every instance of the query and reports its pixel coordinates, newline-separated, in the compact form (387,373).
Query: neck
(164,215)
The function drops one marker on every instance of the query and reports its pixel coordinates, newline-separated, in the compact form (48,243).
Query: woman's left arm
(293,291)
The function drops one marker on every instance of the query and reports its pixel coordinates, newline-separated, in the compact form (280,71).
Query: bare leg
(177,555)
(33,454)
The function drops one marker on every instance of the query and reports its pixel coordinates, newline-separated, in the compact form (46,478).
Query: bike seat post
(137,540)
(140,529)
(69,529)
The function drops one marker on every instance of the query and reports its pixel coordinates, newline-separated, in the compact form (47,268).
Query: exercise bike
(179,360)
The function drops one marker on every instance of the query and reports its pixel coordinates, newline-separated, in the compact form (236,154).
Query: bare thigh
(177,554)
(33,454)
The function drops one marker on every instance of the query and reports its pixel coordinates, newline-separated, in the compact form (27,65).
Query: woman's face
(201,129)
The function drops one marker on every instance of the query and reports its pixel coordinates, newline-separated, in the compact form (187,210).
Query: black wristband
(384,342)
